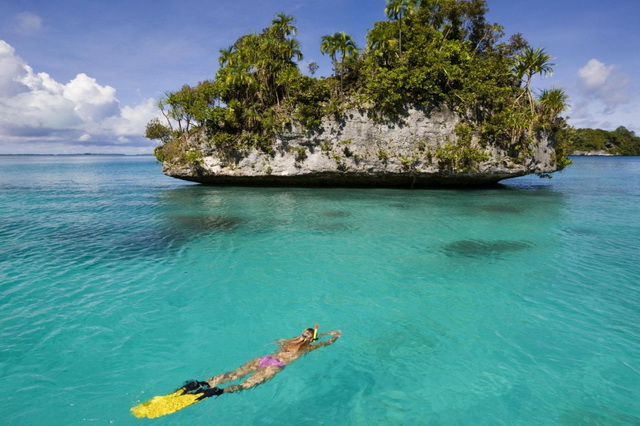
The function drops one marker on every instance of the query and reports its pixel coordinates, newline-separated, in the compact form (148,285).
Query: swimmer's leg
(260,377)
(236,374)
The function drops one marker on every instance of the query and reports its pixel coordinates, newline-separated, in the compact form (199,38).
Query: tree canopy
(429,53)
(620,141)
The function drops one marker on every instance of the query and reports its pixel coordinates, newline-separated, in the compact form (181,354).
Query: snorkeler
(263,368)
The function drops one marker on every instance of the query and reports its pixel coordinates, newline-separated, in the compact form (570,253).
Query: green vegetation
(343,43)
(430,53)
(617,142)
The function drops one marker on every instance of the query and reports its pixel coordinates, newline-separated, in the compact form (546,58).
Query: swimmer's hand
(210,392)
(336,333)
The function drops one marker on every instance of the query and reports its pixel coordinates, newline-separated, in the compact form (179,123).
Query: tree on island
(338,43)
(528,64)
(398,9)
(428,54)
(620,141)
(551,103)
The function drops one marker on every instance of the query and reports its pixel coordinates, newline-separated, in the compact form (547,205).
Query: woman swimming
(263,368)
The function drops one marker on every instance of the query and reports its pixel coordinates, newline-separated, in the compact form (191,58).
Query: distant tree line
(620,141)
(429,53)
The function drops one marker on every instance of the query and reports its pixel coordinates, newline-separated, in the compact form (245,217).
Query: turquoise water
(513,305)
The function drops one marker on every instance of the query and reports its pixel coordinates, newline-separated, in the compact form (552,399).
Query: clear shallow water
(514,305)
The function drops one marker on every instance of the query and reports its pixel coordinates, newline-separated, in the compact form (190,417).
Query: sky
(83,76)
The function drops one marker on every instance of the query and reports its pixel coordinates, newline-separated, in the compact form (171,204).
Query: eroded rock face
(423,151)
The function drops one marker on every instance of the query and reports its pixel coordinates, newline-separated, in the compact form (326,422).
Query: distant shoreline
(595,154)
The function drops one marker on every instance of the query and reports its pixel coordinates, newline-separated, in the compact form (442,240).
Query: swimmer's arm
(336,334)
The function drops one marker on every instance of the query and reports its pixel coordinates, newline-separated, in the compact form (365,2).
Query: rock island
(437,97)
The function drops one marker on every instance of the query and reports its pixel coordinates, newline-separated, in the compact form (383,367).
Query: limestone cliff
(423,150)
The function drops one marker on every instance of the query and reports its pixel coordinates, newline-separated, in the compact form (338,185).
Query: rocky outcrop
(425,150)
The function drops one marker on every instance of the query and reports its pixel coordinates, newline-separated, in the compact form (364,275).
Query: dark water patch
(11,228)
(401,206)
(206,223)
(333,228)
(583,231)
(177,231)
(336,214)
(86,242)
(500,208)
(81,235)
(485,248)
(130,239)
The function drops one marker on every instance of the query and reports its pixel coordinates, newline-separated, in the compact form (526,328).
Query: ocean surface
(514,305)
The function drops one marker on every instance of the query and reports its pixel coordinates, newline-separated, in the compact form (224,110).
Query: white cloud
(132,120)
(35,107)
(601,83)
(10,67)
(28,23)
(594,74)
(92,102)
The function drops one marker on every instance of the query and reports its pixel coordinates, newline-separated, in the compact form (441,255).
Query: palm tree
(254,62)
(293,49)
(242,81)
(529,63)
(274,56)
(251,117)
(162,105)
(398,9)
(381,42)
(552,103)
(227,57)
(329,46)
(338,43)
(282,26)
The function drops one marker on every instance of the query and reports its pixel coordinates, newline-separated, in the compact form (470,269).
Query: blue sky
(83,75)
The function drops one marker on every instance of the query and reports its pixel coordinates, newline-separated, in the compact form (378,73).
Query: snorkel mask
(315,333)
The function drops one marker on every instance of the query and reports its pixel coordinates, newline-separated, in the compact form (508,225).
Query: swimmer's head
(307,334)
(305,337)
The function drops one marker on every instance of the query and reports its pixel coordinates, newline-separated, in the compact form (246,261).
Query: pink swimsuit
(270,361)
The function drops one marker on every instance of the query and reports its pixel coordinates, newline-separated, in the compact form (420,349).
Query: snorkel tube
(315,333)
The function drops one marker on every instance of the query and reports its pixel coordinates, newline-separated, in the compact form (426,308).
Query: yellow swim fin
(165,404)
